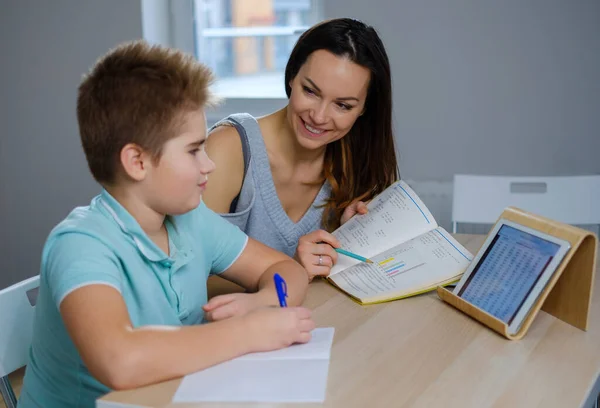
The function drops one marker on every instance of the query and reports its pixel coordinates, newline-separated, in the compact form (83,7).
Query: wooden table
(420,352)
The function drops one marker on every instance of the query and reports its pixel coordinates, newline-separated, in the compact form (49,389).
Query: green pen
(352,255)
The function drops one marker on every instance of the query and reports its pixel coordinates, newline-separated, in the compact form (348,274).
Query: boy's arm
(248,263)
(123,357)
(254,270)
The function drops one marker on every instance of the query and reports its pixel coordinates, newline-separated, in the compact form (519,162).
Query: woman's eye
(194,151)
(308,90)
(344,106)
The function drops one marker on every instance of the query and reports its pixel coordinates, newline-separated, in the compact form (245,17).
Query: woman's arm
(224,147)
(123,357)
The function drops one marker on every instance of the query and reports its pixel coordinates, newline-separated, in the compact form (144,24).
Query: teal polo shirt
(103,244)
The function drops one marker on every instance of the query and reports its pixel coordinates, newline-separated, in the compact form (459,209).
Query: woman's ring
(320,260)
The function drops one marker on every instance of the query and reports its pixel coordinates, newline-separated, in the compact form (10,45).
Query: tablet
(510,271)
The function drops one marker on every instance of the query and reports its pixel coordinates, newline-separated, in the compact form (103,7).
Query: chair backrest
(481,199)
(17,306)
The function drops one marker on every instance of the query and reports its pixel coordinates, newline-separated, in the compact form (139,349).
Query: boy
(123,280)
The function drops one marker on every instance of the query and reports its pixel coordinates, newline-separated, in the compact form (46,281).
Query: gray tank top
(257,210)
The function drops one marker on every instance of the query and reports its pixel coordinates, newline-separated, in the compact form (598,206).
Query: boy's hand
(316,253)
(357,207)
(234,304)
(272,328)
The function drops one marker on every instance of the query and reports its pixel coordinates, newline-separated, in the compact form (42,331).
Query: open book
(411,254)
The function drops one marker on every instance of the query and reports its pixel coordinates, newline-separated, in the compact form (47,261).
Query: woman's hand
(357,207)
(316,253)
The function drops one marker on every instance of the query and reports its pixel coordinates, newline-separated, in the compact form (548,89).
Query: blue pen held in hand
(281,288)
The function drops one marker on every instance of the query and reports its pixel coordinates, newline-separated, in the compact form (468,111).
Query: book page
(395,216)
(423,262)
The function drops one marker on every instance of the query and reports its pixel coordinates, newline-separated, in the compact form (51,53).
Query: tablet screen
(507,272)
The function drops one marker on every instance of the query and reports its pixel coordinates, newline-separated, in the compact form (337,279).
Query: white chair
(17,306)
(573,200)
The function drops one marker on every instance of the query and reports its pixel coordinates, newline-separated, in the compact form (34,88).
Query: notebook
(411,254)
(294,374)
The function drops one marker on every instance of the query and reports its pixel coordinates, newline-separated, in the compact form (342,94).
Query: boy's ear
(135,161)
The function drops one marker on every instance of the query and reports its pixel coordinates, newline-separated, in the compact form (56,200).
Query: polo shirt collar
(131,227)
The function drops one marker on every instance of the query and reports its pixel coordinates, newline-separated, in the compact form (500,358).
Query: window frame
(171,23)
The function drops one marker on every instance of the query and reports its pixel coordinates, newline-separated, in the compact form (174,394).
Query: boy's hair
(137,93)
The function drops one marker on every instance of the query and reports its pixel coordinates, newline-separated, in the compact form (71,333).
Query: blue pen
(281,288)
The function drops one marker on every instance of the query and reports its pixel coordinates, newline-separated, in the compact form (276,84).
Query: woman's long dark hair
(363,163)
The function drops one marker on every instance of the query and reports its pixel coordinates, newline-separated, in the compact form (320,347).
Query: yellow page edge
(420,292)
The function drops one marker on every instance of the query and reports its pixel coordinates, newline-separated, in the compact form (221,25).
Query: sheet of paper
(294,374)
(428,259)
(319,347)
(394,216)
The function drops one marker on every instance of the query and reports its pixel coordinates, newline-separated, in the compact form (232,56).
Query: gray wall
(507,87)
(45,47)
(498,87)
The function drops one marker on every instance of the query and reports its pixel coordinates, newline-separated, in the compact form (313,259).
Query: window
(247,42)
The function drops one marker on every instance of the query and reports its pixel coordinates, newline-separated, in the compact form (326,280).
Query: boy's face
(175,185)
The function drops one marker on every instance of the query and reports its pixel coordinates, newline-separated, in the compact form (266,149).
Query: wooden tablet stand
(568,293)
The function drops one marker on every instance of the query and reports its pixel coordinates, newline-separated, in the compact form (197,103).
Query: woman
(290,178)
